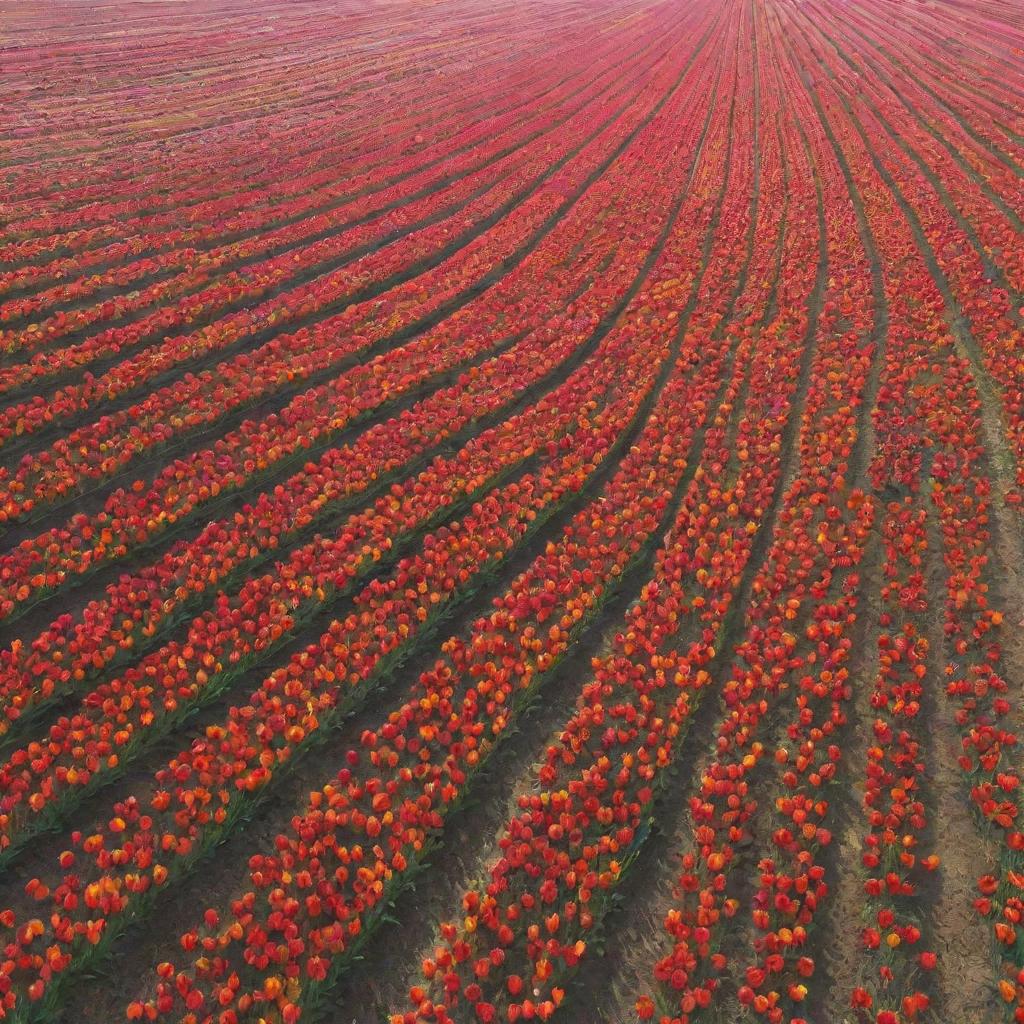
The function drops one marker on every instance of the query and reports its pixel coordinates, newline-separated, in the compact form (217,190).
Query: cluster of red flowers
(798,641)
(421,270)
(563,854)
(240,756)
(412,219)
(970,208)
(255,158)
(894,801)
(223,642)
(222,638)
(527,298)
(139,605)
(930,451)
(421,757)
(719,307)
(309,196)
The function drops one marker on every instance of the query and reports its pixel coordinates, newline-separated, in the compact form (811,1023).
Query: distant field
(511,511)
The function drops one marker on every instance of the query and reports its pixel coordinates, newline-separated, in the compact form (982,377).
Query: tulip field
(511,511)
